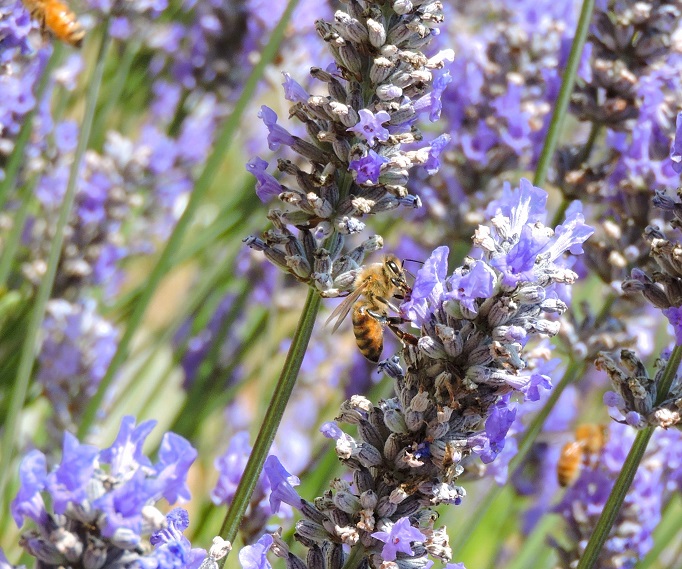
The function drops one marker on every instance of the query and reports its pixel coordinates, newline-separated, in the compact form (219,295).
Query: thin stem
(14,238)
(627,474)
(567,83)
(29,347)
(357,554)
(273,416)
(114,91)
(225,138)
(17,155)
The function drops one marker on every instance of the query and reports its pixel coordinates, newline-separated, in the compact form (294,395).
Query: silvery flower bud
(380,70)
(376,33)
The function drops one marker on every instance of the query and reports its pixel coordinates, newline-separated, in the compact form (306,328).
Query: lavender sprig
(358,167)
(453,402)
(381,83)
(102,503)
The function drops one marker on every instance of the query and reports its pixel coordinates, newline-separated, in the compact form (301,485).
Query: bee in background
(57,17)
(375,286)
(589,441)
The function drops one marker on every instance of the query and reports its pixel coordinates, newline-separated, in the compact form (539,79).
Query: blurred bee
(589,441)
(374,288)
(57,17)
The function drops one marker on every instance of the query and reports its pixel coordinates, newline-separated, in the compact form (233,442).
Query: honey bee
(589,441)
(374,288)
(57,17)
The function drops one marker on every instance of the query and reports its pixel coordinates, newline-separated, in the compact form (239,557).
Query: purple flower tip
(674,316)
(398,539)
(368,167)
(255,556)
(281,484)
(370,126)
(331,430)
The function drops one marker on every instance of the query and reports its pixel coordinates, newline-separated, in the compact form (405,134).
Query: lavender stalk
(381,84)
(567,84)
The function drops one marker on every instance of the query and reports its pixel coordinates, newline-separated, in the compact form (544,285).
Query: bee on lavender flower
(57,17)
(374,288)
(589,441)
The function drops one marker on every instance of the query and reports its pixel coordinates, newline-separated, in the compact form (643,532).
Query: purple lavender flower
(272,488)
(370,126)
(278,135)
(368,168)
(281,484)
(364,127)
(105,501)
(171,548)
(398,539)
(255,556)
(267,187)
(77,348)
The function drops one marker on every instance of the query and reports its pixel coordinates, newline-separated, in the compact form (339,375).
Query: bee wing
(342,310)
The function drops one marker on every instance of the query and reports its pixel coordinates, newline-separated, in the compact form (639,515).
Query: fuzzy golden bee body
(589,441)
(373,290)
(57,17)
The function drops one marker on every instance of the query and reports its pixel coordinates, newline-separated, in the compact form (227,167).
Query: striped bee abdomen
(369,334)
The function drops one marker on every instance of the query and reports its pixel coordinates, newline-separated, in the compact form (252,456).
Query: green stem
(30,345)
(567,83)
(357,554)
(17,155)
(273,416)
(14,238)
(627,473)
(114,91)
(223,141)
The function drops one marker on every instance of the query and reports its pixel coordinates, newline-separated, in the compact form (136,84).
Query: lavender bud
(377,35)
(432,348)
(388,92)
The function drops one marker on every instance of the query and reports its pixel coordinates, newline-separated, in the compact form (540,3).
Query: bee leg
(404,337)
(393,323)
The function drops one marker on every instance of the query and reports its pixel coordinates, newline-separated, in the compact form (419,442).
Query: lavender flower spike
(453,397)
(103,503)
(356,160)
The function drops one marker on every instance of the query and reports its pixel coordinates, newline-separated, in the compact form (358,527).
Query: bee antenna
(413,261)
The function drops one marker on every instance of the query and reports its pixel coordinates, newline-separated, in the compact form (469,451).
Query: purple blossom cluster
(358,154)
(455,398)
(656,480)
(94,507)
(73,359)
(20,68)
(503,82)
